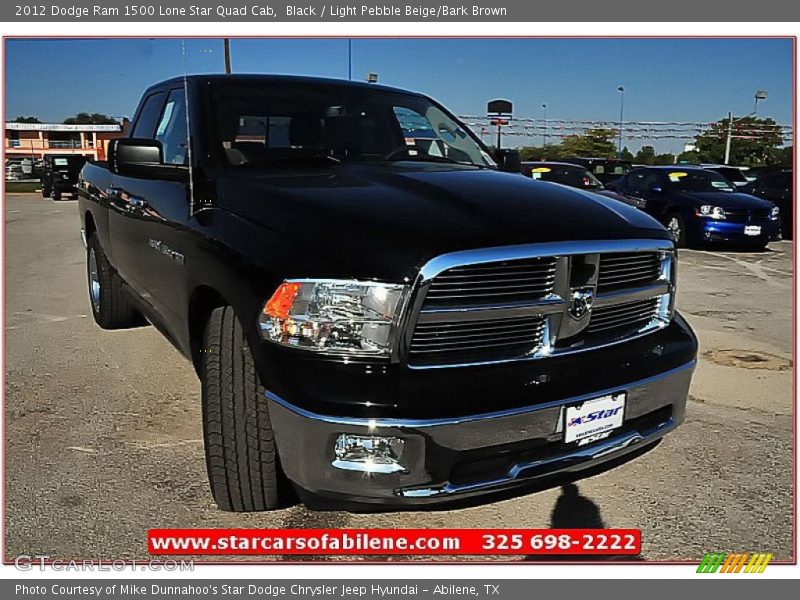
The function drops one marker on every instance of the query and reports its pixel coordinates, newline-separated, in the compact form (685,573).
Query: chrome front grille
(478,340)
(527,302)
(492,283)
(743,215)
(625,317)
(624,270)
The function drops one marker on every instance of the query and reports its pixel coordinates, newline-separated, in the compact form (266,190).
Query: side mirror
(142,157)
(508,160)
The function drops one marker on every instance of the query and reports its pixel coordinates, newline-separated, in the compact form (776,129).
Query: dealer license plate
(594,419)
(752,230)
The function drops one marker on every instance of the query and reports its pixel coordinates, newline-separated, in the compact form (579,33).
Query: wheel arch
(203,300)
(89,225)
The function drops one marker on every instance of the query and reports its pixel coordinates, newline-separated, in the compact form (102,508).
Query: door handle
(113,192)
(137,202)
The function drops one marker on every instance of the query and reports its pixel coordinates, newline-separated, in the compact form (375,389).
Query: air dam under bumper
(447,459)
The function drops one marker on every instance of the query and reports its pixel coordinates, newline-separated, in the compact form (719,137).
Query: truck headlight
(774,213)
(334,316)
(714,212)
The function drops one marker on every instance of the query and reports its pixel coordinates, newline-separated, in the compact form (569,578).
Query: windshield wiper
(433,159)
(293,158)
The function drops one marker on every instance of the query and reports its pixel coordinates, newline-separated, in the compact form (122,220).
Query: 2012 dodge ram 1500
(378,313)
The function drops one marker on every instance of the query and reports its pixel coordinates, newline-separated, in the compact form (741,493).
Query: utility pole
(760,95)
(227,42)
(728,139)
(544,135)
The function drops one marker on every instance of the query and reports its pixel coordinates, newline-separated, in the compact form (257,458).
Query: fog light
(368,453)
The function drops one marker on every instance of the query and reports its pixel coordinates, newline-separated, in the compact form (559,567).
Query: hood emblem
(580,303)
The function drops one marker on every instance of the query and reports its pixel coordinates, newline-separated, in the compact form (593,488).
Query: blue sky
(665,80)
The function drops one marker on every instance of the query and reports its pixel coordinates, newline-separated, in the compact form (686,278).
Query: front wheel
(677,229)
(241,457)
(112,307)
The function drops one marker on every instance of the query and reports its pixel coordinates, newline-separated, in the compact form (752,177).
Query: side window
(171,130)
(651,181)
(636,182)
(146,121)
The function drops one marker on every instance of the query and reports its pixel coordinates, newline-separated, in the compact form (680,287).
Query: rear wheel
(677,229)
(46,191)
(112,307)
(241,457)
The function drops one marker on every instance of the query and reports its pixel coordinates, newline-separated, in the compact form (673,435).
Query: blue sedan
(699,206)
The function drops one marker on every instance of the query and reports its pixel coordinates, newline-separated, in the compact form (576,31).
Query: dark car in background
(777,187)
(605,169)
(700,206)
(60,174)
(571,175)
(733,174)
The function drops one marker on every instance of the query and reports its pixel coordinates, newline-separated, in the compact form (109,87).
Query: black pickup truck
(377,312)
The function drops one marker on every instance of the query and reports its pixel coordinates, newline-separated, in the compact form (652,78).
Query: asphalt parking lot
(103,437)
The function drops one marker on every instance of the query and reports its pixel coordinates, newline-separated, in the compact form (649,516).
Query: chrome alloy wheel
(94,281)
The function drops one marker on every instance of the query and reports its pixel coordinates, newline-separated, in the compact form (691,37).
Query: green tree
(24,119)
(646,155)
(548,152)
(595,142)
(626,154)
(690,156)
(84,118)
(754,142)
(664,159)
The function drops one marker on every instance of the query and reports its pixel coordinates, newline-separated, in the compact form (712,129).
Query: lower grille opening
(454,342)
(480,467)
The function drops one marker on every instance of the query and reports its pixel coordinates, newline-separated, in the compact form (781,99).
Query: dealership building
(34,140)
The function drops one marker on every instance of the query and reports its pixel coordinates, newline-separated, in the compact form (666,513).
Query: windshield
(265,124)
(611,168)
(579,178)
(698,181)
(732,174)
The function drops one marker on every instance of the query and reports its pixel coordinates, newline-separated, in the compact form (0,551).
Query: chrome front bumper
(454,458)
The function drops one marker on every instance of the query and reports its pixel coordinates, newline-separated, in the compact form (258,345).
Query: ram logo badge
(580,303)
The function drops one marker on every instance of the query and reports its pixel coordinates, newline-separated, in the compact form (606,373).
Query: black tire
(112,307)
(45,191)
(677,228)
(241,457)
(56,195)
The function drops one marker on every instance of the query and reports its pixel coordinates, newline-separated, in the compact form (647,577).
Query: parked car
(371,322)
(607,170)
(777,187)
(701,206)
(60,174)
(735,175)
(571,175)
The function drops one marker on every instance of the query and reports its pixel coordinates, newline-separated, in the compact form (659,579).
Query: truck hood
(384,222)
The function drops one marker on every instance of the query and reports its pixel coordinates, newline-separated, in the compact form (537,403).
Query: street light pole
(621,91)
(544,135)
(227,45)
(350,59)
